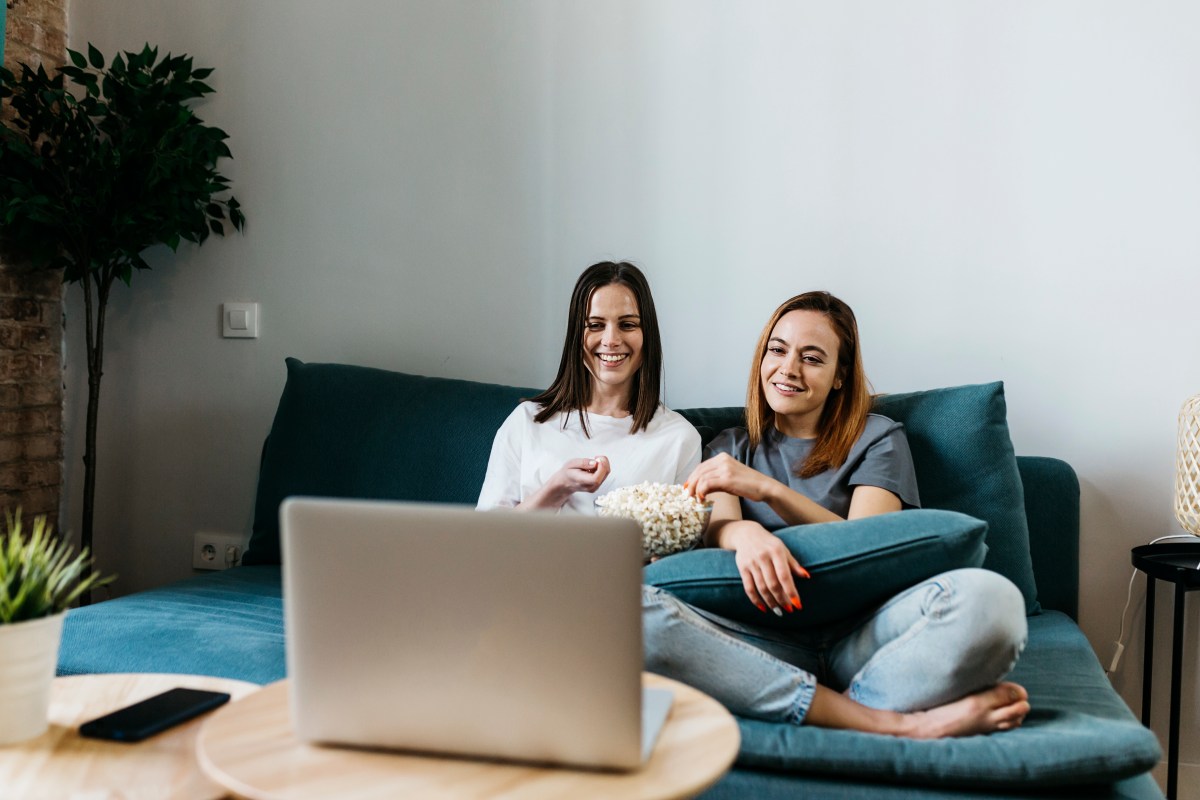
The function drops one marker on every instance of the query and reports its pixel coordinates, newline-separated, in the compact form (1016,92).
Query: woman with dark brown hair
(929,662)
(600,425)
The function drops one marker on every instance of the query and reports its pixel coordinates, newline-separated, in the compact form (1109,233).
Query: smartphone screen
(152,715)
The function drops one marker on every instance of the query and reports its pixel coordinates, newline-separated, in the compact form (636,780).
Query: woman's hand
(767,567)
(576,475)
(724,473)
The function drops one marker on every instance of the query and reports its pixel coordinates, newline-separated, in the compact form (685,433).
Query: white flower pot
(28,657)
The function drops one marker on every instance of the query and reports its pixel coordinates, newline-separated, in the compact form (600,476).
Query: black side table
(1179,563)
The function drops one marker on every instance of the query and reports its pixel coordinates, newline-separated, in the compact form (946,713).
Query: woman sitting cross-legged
(931,661)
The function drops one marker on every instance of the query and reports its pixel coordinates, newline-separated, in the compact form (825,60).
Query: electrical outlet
(217,550)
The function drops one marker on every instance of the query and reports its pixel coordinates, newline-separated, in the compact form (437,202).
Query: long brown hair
(845,413)
(572,387)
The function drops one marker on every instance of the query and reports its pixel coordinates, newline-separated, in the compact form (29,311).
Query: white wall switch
(239,320)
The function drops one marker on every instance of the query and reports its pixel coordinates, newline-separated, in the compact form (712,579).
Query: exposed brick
(18,477)
(40,339)
(11,449)
(33,503)
(42,393)
(46,447)
(25,421)
(31,397)
(20,309)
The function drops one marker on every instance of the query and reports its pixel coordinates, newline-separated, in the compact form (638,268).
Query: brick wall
(31,373)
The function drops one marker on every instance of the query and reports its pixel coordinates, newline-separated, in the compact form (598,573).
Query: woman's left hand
(724,473)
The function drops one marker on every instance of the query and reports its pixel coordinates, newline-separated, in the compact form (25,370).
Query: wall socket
(217,550)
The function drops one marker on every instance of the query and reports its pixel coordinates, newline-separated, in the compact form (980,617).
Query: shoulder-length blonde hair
(572,387)
(844,416)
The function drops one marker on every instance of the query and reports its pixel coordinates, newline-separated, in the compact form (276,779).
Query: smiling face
(799,369)
(612,340)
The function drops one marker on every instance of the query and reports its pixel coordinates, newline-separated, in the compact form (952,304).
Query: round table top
(61,763)
(249,747)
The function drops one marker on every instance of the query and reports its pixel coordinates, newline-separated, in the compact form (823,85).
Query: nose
(611,337)
(791,365)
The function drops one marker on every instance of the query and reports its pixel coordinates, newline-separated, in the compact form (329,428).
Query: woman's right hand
(581,475)
(767,567)
(576,475)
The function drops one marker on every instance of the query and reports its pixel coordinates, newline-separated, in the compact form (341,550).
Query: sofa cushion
(350,431)
(1079,732)
(964,459)
(228,624)
(855,566)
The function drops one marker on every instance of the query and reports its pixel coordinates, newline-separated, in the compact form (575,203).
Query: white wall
(1003,190)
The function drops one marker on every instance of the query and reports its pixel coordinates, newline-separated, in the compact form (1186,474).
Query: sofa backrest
(350,431)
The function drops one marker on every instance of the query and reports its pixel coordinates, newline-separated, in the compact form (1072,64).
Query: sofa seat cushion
(228,624)
(1078,732)
(855,566)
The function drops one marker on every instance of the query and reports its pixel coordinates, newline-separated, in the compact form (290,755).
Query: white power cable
(1120,643)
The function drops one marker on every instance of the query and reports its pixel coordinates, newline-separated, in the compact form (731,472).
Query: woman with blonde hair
(929,662)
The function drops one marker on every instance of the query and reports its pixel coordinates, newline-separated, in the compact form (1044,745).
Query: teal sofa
(350,431)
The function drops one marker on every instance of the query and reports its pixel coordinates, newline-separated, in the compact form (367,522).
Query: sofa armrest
(1052,506)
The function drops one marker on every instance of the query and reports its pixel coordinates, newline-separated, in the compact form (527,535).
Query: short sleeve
(888,464)
(732,441)
(502,482)
(689,454)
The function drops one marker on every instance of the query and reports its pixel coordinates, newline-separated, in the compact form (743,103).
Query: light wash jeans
(949,636)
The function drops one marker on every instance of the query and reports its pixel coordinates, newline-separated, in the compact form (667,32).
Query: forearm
(794,508)
(550,497)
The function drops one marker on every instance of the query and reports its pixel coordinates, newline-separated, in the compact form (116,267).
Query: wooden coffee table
(249,748)
(61,763)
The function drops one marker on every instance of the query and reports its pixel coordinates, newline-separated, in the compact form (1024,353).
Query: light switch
(239,320)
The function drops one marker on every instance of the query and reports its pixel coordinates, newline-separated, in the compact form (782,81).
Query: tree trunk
(95,363)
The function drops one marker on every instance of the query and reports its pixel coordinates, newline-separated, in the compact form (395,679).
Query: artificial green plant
(99,163)
(38,575)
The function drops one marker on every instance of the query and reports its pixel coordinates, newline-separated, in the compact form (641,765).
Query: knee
(992,608)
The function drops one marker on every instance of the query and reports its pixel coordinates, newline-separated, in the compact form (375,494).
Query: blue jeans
(949,636)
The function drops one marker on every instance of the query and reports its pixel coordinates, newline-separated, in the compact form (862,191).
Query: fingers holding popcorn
(723,473)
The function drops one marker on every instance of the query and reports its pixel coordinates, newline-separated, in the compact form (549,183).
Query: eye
(595,326)
(630,326)
(775,350)
(810,359)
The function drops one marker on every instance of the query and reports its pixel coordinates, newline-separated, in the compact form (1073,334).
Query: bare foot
(999,708)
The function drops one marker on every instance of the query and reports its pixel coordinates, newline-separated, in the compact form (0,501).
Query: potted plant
(39,580)
(94,173)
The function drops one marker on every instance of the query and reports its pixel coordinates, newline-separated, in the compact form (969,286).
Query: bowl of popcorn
(671,519)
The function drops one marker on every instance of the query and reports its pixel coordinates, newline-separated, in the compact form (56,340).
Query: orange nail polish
(804,573)
(761,607)
(796,603)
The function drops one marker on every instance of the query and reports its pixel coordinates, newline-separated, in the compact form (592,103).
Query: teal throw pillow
(965,462)
(855,566)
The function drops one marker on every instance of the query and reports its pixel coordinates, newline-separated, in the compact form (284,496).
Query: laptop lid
(497,634)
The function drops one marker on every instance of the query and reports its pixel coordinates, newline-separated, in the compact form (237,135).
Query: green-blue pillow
(855,566)
(965,462)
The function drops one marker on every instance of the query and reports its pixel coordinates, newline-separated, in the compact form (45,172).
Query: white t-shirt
(526,453)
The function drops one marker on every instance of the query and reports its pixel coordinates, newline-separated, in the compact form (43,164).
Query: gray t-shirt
(880,458)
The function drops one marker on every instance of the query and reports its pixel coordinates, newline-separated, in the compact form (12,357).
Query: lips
(787,389)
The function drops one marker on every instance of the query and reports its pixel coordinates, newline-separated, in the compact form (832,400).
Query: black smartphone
(152,715)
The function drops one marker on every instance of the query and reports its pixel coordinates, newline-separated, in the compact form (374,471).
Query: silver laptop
(441,629)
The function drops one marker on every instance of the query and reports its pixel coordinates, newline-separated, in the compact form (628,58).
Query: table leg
(1148,651)
(1176,691)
